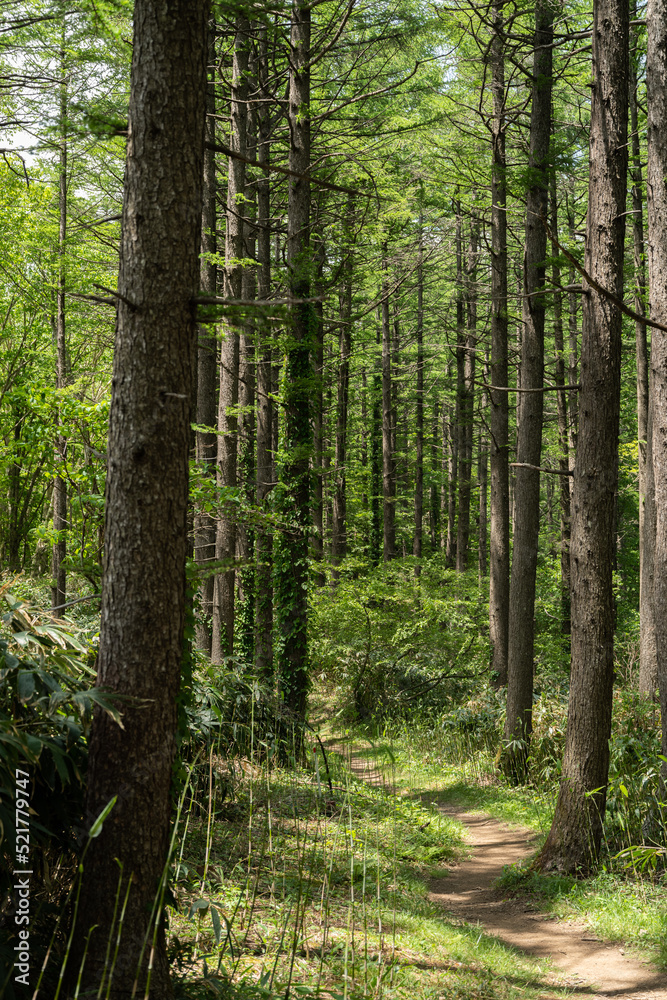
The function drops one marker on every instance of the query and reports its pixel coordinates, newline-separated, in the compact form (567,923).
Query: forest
(333,499)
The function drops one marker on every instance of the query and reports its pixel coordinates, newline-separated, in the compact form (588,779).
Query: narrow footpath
(594,968)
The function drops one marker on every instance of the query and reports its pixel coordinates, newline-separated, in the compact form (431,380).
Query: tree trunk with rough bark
(466,415)
(656,96)
(319,257)
(60,523)
(573,300)
(388,453)
(376,459)
(463,471)
(143,602)
(434,499)
(206,442)
(265,408)
(450,449)
(499,527)
(339,523)
(483,483)
(419,435)
(222,642)
(648,664)
(245,534)
(574,840)
(291,578)
(520,652)
(561,406)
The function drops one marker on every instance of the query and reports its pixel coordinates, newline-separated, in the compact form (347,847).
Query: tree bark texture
(450,449)
(648,665)
(146,502)
(291,587)
(265,416)
(463,396)
(245,534)
(317,400)
(574,840)
(518,720)
(656,174)
(434,499)
(561,407)
(59,552)
(206,442)
(573,298)
(483,483)
(388,452)
(339,523)
(499,527)
(419,430)
(222,642)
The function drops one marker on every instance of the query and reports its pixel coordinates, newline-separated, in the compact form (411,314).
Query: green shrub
(47,695)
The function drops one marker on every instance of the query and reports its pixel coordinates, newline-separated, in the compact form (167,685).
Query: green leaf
(199,904)
(217,926)
(26,684)
(96,828)
(34,744)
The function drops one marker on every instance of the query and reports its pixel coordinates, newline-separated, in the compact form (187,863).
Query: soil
(590,967)
(594,968)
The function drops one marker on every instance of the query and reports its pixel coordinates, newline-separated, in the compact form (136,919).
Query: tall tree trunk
(460,386)
(466,403)
(396,440)
(419,437)
(434,500)
(339,524)
(656,94)
(16,496)
(58,574)
(363,444)
(648,665)
(574,840)
(222,643)
(499,541)
(561,405)
(292,557)
(518,721)
(319,256)
(450,448)
(376,458)
(483,482)
(265,414)
(143,598)
(206,442)
(245,537)
(573,298)
(388,448)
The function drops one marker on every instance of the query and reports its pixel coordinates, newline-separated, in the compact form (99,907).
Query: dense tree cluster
(420,326)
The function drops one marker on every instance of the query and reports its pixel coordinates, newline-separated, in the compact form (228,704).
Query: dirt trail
(593,968)
(586,961)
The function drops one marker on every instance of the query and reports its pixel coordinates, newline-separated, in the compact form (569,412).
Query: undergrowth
(304,880)
(293,888)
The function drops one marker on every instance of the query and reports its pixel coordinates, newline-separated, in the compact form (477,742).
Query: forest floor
(469,892)
(592,968)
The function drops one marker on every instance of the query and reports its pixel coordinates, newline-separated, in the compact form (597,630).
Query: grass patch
(430,763)
(288,890)
(621,909)
(619,905)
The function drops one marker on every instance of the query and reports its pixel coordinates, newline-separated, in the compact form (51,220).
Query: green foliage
(47,696)
(397,647)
